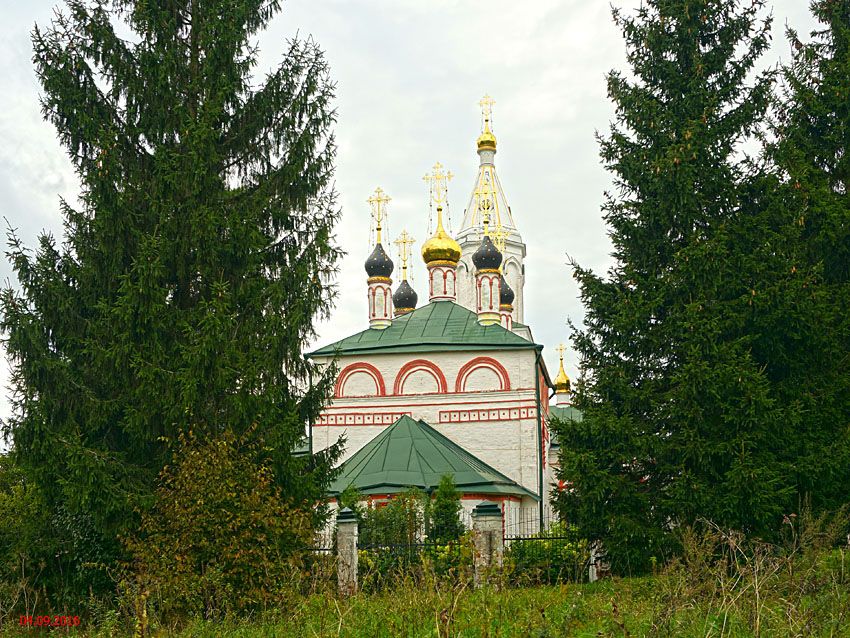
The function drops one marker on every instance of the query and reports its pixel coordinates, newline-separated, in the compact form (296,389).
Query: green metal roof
(565,413)
(441,325)
(411,453)
(562,413)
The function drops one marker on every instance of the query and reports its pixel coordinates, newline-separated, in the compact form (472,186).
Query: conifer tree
(195,264)
(812,142)
(680,420)
(445,511)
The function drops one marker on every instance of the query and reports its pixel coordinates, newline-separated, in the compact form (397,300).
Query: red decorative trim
(358,418)
(360,366)
(497,414)
(446,417)
(416,365)
(483,362)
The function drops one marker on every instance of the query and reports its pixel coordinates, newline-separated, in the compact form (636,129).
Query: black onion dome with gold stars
(405,297)
(487,257)
(506,293)
(379,263)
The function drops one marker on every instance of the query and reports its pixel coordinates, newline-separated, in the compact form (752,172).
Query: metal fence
(524,523)
(546,554)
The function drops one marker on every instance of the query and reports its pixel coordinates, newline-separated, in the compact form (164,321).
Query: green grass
(721,586)
(652,606)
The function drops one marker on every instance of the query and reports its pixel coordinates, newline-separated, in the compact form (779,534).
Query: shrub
(48,559)
(219,538)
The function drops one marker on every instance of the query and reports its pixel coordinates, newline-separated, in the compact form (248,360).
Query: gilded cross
(378,202)
(500,236)
(561,349)
(438,184)
(404,242)
(486,105)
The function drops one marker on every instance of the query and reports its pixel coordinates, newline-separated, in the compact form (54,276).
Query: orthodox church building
(456,384)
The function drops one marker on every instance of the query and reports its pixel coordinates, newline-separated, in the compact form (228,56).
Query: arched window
(420,376)
(480,374)
(359,380)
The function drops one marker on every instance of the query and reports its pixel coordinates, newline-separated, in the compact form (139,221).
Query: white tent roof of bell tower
(487,193)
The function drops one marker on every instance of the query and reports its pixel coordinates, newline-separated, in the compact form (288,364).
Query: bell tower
(488,201)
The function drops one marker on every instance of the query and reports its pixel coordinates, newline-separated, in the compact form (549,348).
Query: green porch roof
(441,325)
(411,453)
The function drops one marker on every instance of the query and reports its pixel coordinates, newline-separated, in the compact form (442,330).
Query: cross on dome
(378,203)
(438,184)
(440,247)
(486,103)
(561,381)
(404,241)
(500,237)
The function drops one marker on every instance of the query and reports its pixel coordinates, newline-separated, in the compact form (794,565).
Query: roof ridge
(425,327)
(431,450)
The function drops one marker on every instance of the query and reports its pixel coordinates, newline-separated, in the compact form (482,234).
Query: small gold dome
(441,247)
(562,381)
(487,141)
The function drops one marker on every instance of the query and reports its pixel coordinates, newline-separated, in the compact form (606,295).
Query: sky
(409,75)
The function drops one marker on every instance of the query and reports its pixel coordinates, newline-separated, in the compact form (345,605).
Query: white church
(456,385)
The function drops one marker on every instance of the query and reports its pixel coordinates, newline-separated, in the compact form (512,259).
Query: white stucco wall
(496,424)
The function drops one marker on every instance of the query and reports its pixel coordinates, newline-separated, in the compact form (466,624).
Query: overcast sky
(409,76)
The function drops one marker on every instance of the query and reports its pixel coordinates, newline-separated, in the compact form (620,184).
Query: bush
(555,555)
(220,539)
(48,559)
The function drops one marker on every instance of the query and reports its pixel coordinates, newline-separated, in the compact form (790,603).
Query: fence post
(489,544)
(597,568)
(346,549)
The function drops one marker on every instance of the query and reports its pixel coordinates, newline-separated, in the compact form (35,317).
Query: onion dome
(441,247)
(379,263)
(487,141)
(561,381)
(506,293)
(487,257)
(404,298)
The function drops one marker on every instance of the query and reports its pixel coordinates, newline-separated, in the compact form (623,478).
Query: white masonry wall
(463,395)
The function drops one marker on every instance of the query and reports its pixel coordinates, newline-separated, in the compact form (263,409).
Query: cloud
(409,75)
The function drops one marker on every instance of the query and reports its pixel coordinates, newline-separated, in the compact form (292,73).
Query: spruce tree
(810,149)
(445,523)
(192,270)
(680,421)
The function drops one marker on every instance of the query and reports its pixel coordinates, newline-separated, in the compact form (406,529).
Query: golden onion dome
(441,247)
(487,141)
(562,381)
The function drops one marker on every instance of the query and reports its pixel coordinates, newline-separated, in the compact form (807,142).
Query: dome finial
(404,241)
(379,263)
(378,202)
(440,247)
(404,298)
(500,237)
(561,381)
(486,141)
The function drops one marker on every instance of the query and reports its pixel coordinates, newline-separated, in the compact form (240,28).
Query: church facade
(456,385)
